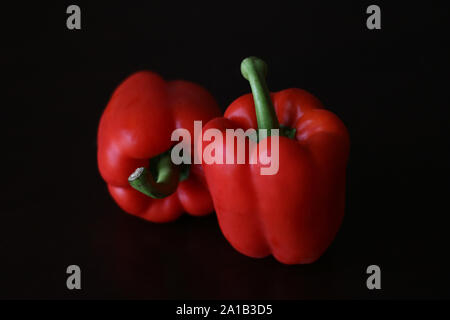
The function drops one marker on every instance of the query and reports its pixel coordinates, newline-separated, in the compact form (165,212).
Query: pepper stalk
(254,70)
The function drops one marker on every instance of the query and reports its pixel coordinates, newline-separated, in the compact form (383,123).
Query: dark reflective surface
(386,86)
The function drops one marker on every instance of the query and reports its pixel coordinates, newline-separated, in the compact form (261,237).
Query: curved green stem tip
(255,70)
(167,178)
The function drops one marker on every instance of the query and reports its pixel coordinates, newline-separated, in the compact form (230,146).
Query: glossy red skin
(296,213)
(137,125)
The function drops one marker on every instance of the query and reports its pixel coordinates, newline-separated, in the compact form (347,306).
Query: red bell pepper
(296,213)
(135,132)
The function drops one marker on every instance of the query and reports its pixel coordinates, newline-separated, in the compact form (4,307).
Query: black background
(389,86)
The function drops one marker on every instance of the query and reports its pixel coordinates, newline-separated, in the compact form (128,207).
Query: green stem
(255,70)
(167,177)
